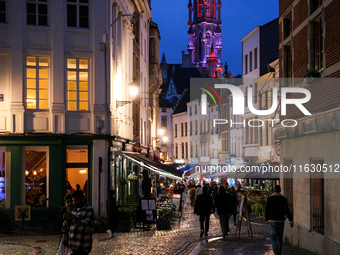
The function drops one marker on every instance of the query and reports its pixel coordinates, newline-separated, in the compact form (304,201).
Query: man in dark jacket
(204,206)
(224,204)
(275,213)
(235,203)
(111,211)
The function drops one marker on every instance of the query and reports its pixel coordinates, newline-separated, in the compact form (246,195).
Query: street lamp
(165,139)
(133,94)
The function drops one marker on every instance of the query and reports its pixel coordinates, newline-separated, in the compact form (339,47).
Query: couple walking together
(204,206)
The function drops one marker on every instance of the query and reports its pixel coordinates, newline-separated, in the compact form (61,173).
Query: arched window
(208,45)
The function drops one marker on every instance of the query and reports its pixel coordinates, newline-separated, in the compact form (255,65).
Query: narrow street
(182,239)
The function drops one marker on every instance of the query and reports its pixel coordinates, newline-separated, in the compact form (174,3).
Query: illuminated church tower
(205,43)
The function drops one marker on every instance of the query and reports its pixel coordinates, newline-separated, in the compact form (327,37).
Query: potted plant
(164,218)
(132,177)
(140,176)
(259,206)
(101,223)
(124,218)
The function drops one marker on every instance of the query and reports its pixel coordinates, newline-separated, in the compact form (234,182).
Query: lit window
(78,13)
(37,12)
(36,177)
(77,84)
(2,11)
(37,75)
(2,178)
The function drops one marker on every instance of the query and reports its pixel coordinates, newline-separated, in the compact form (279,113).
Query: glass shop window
(36,178)
(2,179)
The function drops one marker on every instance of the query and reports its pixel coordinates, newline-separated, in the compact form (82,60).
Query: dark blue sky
(238,18)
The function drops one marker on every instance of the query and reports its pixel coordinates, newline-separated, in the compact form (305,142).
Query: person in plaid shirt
(80,233)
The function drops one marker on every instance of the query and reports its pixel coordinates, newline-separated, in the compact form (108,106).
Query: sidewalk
(182,239)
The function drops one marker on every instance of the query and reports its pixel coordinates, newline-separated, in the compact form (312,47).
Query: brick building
(309,32)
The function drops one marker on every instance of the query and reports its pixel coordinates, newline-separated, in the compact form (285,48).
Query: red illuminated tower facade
(205,43)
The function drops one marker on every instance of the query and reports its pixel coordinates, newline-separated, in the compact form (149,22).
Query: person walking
(112,212)
(276,211)
(192,193)
(204,206)
(224,205)
(233,195)
(81,217)
(199,190)
(63,226)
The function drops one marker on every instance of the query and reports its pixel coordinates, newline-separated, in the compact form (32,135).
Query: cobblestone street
(182,239)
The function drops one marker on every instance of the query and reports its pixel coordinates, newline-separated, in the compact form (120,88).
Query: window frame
(78,4)
(37,79)
(37,4)
(4,12)
(78,91)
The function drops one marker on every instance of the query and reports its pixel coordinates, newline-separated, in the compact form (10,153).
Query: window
(245,64)
(314,5)
(196,127)
(255,58)
(196,109)
(37,74)
(164,121)
(318,206)
(176,150)
(190,111)
(246,97)
(255,92)
(37,12)
(186,128)
(2,11)
(163,109)
(225,141)
(191,150)
(287,26)
(78,13)
(196,148)
(317,44)
(201,127)
(77,84)
(250,61)
(182,130)
(182,150)
(288,64)
(77,164)
(175,130)
(190,127)
(247,134)
(186,150)
(36,173)
(256,130)
(2,176)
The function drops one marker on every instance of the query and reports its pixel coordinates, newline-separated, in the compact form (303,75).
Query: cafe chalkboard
(243,213)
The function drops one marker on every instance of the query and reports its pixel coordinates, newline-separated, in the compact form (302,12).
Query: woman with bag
(64,225)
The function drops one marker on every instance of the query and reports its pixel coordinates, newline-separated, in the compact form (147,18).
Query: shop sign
(193,160)
(204,159)
(214,161)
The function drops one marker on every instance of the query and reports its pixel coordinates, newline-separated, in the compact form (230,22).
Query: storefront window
(77,154)
(77,168)
(75,177)
(2,179)
(36,178)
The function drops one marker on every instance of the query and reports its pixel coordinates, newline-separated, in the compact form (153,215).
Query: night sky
(238,18)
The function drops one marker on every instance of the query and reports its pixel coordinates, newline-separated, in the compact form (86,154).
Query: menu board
(147,212)
(176,200)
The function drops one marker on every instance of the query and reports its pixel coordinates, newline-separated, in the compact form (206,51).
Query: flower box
(163,224)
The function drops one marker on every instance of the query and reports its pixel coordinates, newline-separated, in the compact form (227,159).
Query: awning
(154,166)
